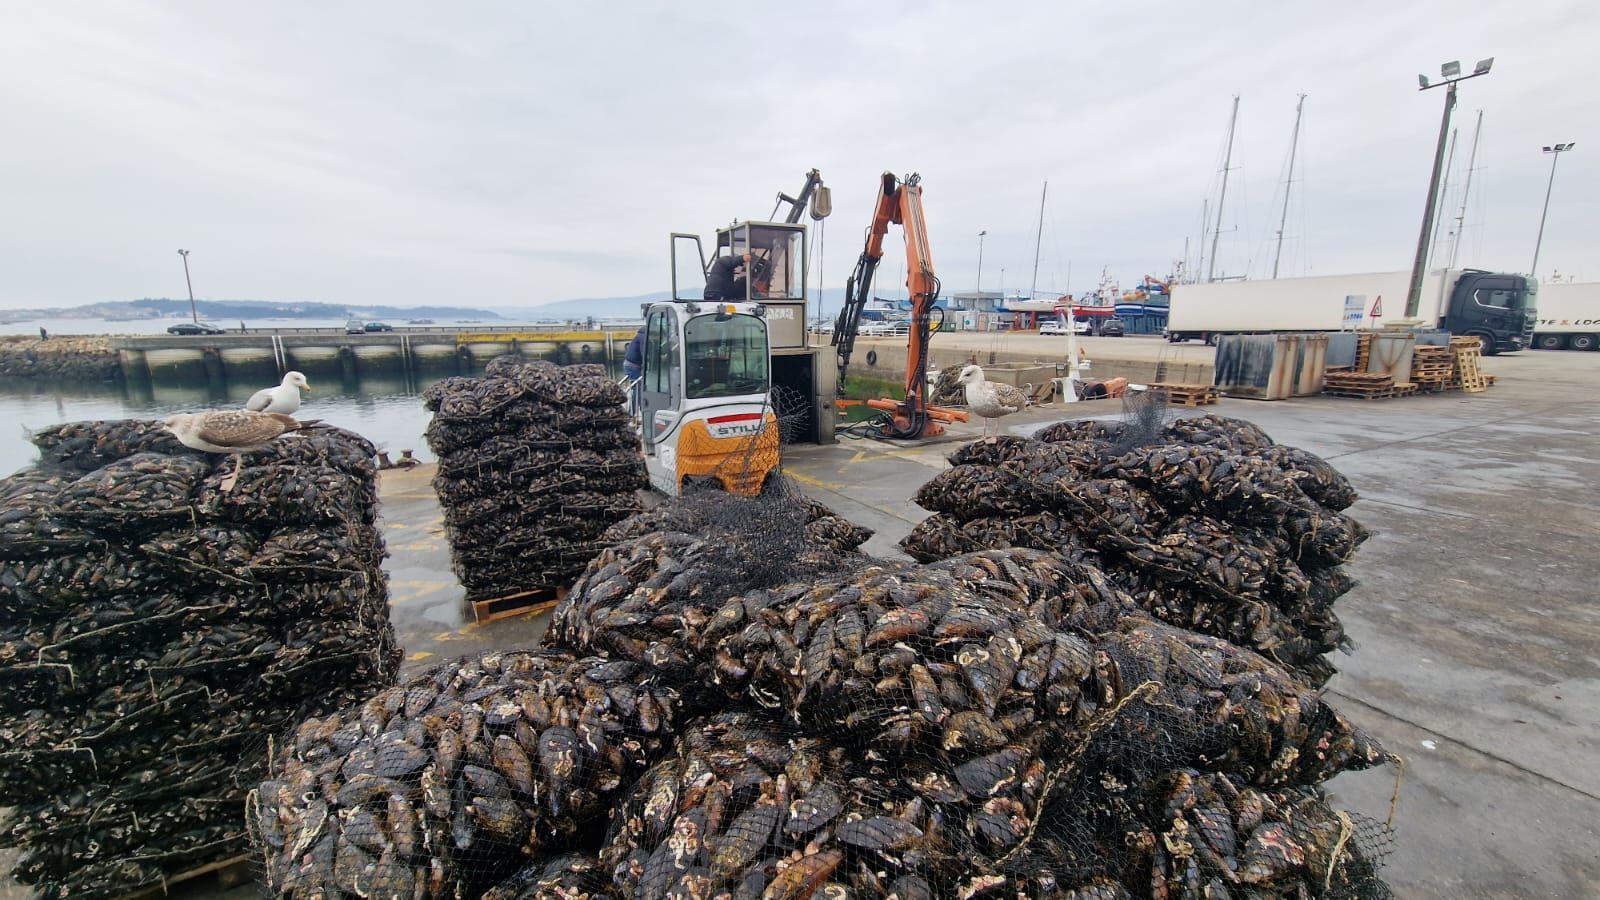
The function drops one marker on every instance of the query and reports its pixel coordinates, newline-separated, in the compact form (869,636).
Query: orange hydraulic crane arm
(899,203)
(858,287)
(921,283)
(886,213)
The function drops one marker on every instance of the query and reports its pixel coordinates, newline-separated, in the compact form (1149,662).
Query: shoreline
(74,357)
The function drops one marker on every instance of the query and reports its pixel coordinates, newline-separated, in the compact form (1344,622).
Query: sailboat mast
(1461,218)
(1288,184)
(1037,237)
(1443,192)
(1205,216)
(1222,195)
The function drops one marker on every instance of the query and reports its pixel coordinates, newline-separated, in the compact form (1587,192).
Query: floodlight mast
(1450,72)
(1555,152)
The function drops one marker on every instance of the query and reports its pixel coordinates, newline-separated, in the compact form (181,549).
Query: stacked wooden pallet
(225,874)
(1187,394)
(521,603)
(1364,385)
(1467,351)
(1363,350)
(1433,368)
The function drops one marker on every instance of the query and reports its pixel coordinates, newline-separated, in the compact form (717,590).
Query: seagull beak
(305,386)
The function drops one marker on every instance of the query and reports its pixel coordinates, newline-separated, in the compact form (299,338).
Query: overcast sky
(508,154)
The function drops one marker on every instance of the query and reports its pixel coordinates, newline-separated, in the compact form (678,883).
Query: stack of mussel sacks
(154,628)
(1209,525)
(1003,723)
(536,461)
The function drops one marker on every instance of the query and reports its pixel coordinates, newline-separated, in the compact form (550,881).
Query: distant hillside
(152,307)
(598,307)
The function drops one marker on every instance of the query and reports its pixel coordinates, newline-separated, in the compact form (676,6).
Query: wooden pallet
(1436,385)
(1361,385)
(532,602)
(1363,351)
(1468,375)
(227,873)
(1373,393)
(1190,395)
(1358,380)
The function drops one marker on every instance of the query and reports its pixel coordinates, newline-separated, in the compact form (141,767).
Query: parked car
(379,326)
(193,328)
(355,326)
(1056,326)
(1113,328)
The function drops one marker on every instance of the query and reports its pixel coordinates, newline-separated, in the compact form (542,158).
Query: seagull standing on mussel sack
(285,398)
(990,399)
(235,431)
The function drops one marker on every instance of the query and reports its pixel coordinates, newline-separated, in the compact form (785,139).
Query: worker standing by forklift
(726,279)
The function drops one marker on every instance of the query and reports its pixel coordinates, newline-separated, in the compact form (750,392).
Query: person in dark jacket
(633,356)
(727,278)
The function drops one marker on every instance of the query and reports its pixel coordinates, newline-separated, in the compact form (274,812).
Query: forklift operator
(726,278)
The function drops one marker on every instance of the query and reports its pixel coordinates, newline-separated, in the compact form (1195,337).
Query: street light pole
(194,314)
(978,301)
(1555,154)
(1451,73)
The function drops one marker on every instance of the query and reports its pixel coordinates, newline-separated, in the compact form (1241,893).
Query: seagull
(989,399)
(285,398)
(230,431)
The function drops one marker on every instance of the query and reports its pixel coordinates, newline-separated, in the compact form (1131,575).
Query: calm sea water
(388,410)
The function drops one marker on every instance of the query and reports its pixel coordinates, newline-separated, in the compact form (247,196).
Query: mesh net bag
(452,781)
(151,629)
(1205,521)
(536,461)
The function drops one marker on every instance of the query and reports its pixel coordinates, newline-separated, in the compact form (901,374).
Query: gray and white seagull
(990,399)
(235,431)
(285,398)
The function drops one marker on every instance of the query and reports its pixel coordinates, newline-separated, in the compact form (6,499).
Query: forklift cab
(704,403)
(778,250)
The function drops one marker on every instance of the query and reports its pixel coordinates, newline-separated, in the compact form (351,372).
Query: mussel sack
(1206,522)
(452,781)
(154,629)
(536,461)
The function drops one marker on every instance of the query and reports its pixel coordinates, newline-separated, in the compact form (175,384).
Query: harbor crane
(899,203)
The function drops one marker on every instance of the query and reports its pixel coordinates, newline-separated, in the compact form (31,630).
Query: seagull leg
(233,477)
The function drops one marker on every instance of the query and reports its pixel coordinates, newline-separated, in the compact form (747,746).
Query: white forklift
(713,357)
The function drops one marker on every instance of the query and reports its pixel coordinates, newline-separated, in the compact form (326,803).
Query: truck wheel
(1211,340)
(1550,342)
(1488,348)
(1583,342)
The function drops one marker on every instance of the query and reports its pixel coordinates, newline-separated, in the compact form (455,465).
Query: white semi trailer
(1569,317)
(1498,308)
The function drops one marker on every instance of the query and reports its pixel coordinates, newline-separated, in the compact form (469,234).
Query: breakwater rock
(63,357)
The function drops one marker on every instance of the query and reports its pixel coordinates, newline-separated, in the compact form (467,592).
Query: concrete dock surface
(1477,632)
